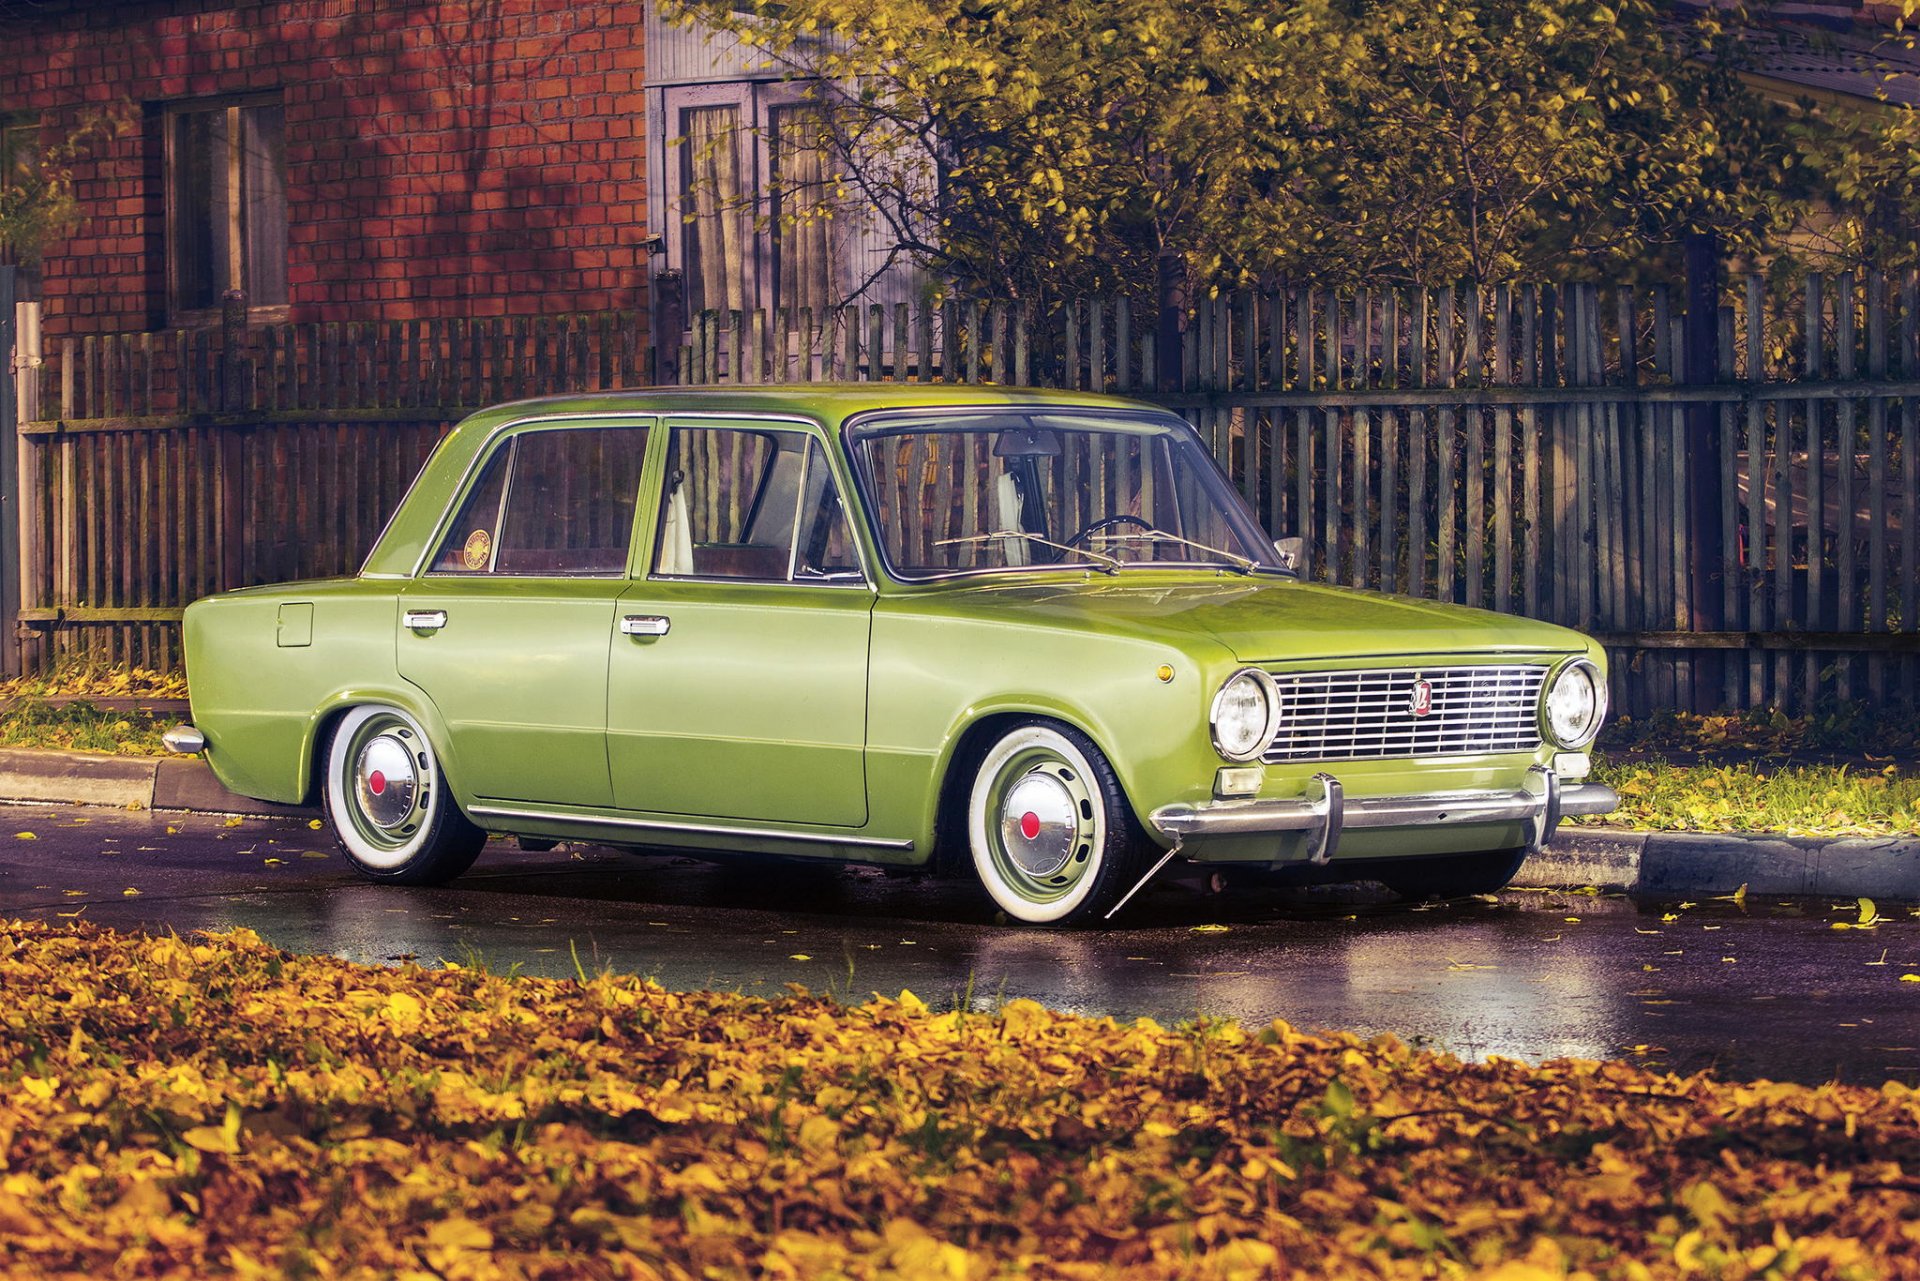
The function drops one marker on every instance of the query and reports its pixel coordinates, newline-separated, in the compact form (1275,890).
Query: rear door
(508,629)
(738,680)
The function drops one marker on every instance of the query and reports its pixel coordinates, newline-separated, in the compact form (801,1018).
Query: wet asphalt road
(1769,988)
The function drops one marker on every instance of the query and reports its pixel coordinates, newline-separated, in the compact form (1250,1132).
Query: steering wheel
(1108,522)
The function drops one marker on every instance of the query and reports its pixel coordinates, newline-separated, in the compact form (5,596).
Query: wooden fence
(1740,533)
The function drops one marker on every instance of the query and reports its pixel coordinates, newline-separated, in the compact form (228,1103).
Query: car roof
(830,404)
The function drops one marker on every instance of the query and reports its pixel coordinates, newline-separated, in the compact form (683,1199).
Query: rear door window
(550,503)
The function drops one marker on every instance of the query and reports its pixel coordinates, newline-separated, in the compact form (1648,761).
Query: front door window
(752,504)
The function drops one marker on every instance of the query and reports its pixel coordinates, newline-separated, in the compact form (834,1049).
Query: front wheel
(387,798)
(1052,836)
(1453,875)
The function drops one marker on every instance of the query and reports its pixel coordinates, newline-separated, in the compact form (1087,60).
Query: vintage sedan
(1032,635)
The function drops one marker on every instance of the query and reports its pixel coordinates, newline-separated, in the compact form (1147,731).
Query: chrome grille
(1367,715)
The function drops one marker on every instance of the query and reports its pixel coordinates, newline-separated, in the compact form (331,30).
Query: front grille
(1367,715)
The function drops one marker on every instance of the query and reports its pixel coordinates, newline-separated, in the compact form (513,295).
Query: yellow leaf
(25,836)
(314,823)
(1209,929)
(459,1233)
(224,1137)
(131,892)
(1910,978)
(819,1134)
(799,956)
(232,822)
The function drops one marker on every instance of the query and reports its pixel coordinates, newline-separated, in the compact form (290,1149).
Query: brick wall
(460,158)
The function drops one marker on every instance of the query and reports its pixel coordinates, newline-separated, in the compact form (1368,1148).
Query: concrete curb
(35,775)
(1612,858)
(1701,863)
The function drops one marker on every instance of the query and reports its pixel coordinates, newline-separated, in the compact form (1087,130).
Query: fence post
(1171,299)
(1709,554)
(233,473)
(11,523)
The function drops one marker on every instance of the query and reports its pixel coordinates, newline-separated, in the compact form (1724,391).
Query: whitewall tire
(387,798)
(1052,836)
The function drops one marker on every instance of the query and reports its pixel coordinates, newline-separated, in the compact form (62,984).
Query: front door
(508,630)
(738,678)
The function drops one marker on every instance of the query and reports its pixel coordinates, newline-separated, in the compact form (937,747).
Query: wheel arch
(968,744)
(321,724)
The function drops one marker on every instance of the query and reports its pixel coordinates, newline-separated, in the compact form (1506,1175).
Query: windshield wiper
(1108,564)
(1154,534)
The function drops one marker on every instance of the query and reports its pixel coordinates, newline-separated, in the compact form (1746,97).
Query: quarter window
(227,204)
(550,504)
(755,505)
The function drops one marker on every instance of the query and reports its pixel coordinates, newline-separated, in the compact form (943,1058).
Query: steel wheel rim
(388,816)
(1046,861)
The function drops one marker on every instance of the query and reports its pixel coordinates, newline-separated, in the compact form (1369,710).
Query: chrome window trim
(818,434)
(480,456)
(856,428)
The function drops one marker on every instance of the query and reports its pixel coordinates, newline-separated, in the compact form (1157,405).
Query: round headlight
(1246,713)
(1576,700)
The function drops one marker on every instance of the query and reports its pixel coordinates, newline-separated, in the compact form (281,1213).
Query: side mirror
(1290,551)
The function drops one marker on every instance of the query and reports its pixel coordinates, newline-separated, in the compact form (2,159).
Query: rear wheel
(1453,875)
(1052,836)
(387,798)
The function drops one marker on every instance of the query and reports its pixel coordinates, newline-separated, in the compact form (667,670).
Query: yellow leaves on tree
(210,1106)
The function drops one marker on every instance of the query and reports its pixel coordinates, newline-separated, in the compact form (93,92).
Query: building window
(803,240)
(717,208)
(748,190)
(19,177)
(226,205)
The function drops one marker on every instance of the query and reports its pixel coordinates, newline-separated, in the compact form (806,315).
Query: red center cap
(1030,825)
(377,783)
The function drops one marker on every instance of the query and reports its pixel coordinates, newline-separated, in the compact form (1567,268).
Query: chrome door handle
(424,620)
(644,625)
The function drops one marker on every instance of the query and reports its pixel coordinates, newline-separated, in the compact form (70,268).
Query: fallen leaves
(212,1106)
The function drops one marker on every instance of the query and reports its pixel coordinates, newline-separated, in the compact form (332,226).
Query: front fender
(933,680)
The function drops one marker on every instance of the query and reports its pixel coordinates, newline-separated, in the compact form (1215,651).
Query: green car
(1031,634)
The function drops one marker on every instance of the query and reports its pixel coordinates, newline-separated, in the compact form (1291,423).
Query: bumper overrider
(1325,812)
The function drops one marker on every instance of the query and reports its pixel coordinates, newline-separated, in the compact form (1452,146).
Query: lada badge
(1420,701)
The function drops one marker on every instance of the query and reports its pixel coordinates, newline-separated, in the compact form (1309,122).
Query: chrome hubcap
(386,780)
(1039,821)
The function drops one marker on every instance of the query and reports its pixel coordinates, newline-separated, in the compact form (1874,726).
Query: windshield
(973,491)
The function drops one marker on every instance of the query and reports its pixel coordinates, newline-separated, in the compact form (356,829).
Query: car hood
(1263,620)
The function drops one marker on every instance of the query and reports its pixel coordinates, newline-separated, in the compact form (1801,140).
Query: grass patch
(1842,771)
(1834,735)
(28,717)
(1748,796)
(80,727)
(212,1106)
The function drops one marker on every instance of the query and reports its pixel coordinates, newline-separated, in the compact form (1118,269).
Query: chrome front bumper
(1325,812)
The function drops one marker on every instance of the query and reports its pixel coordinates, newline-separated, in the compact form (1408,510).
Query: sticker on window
(478,549)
